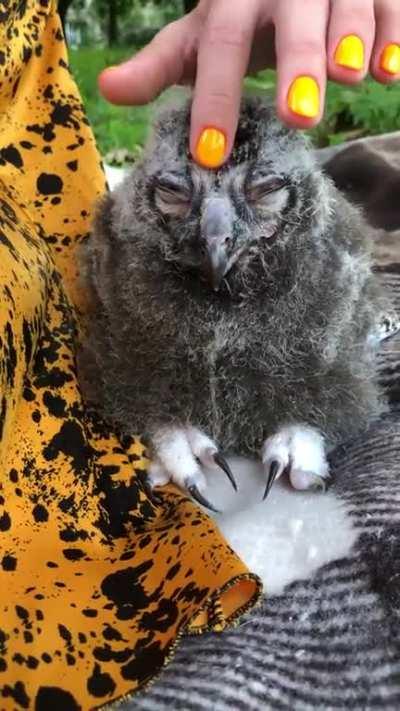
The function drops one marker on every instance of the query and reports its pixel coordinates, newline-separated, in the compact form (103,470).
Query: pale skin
(221,41)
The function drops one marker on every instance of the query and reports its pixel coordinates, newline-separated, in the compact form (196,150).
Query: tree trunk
(112,30)
(63,6)
(189,5)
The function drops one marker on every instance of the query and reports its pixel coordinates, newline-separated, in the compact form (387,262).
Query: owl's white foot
(300,451)
(179,455)
(389,325)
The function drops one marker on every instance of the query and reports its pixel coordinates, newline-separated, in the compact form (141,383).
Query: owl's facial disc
(213,221)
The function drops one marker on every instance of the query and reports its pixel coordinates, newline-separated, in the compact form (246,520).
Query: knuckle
(220,97)
(308,7)
(201,11)
(169,35)
(388,11)
(311,47)
(225,36)
(355,13)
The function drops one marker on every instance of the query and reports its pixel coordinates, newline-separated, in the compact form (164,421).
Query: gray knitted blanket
(331,641)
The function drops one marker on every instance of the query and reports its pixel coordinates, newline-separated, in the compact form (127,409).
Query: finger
(222,60)
(385,62)
(350,40)
(300,29)
(167,60)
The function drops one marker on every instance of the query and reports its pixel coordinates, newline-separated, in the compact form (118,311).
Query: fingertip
(210,148)
(212,134)
(385,63)
(341,75)
(300,101)
(293,120)
(383,77)
(144,76)
(106,82)
(350,53)
(354,72)
(134,82)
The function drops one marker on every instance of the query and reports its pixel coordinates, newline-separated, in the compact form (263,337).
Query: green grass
(115,127)
(350,111)
(367,109)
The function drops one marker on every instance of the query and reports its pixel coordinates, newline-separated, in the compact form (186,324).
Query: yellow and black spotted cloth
(97,583)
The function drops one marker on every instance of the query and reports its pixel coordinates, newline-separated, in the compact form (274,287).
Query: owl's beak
(216,261)
(216,232)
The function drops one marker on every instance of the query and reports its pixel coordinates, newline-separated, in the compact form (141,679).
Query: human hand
(220,41)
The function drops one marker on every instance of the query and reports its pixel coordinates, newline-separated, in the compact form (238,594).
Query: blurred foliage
(367,109)
(117,22)
(115,127)
(350,111)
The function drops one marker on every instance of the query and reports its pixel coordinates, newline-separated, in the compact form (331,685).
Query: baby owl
(233,310)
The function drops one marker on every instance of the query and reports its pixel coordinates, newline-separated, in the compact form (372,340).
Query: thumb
(163,62)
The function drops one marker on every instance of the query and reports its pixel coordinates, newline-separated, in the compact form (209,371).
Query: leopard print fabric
(97,581)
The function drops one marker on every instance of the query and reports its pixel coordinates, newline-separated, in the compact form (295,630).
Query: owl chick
(234,310)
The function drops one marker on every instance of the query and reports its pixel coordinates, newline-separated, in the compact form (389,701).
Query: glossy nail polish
(210,150)
(350,53)
(303,97)
(390,59)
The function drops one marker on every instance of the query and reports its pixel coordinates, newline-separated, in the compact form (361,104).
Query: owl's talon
(154,498)
(195,494)
(220,460)
(389,326)
(180,454)
(298,450)
(274,469)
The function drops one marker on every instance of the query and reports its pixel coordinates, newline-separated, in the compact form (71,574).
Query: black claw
(273,473)
(221,461)
(326,483)
(151,495)
(195,493)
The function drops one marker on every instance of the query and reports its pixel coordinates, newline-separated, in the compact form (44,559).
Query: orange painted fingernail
(390,59)
(303,97)
(210,150)
(350,53)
